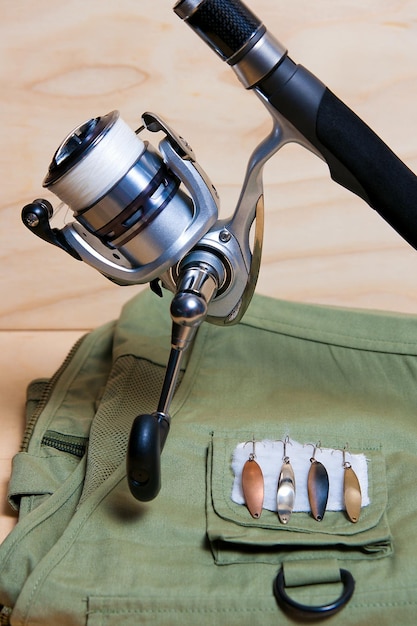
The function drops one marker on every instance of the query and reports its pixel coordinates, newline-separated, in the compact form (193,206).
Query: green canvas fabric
(85,552)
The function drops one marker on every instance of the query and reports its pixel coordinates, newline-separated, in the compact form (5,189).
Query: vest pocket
(236,537)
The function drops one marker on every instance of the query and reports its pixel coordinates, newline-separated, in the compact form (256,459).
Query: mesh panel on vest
(134,388)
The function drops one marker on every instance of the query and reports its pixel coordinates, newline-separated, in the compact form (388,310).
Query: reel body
(140,212)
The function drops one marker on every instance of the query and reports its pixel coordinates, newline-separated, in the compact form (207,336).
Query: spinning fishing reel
(147,215)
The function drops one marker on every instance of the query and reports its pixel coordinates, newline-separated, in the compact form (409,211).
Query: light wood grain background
(62,63)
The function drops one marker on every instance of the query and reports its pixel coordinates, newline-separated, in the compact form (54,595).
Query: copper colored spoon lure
(253,484)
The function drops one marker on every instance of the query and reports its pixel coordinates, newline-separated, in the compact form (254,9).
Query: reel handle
(197,285)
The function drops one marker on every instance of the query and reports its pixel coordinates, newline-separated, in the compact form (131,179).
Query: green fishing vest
(84,551)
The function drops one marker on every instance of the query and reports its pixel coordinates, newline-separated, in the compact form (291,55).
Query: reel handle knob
(146,441)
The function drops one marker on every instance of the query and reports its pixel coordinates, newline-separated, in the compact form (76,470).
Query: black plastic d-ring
(322,611)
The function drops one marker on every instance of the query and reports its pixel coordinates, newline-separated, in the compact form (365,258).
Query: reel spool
(133,221)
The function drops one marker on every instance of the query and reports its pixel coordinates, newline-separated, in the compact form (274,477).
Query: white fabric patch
(269,456)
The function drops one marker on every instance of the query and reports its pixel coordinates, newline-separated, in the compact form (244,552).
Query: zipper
(46,394)
(76,446)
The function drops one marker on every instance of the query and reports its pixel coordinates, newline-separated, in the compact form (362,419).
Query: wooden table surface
(63,63)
